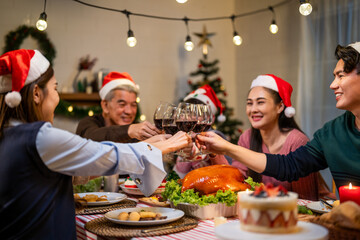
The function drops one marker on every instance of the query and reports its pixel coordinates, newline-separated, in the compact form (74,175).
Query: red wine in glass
(186,126)
(158,123)
(200,127)
(207,127)
(171,129)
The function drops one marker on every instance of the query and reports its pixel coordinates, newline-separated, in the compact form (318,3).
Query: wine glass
(186,116)
(202,118)
(159,112)
(168,121)
(209,116)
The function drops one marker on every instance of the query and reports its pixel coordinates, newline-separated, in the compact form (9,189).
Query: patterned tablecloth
(205,229)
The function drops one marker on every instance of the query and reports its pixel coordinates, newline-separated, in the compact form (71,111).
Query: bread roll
(134,216)
(123,216)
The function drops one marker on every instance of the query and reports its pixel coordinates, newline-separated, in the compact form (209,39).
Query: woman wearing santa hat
(37,160)
(274,130)
(335,145)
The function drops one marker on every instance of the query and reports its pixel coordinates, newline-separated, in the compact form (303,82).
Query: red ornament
(218,79)
(189,82)
(225,94)
(200,65)
(240,130)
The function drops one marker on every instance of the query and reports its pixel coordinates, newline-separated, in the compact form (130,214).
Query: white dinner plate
(305,230)
(319,207)
(171,214)
(111,196)
(136,191)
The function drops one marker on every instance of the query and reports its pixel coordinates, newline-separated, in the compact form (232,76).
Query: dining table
(204,230)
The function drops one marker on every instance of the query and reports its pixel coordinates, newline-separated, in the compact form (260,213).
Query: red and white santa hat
(17,69)
(356,46)
(207,95)
(279,85)
(115,80)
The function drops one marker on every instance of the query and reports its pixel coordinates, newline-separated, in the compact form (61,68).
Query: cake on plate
(268,209)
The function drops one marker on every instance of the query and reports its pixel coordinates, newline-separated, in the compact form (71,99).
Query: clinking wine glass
(168,121)
(185,119)
(159,112)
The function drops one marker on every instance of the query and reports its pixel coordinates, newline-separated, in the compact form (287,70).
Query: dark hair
(27,110)
(350,56)
(285,125)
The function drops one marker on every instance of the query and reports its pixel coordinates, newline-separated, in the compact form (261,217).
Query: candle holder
(349,193)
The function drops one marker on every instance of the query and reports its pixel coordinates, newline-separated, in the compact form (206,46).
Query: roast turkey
(208,180)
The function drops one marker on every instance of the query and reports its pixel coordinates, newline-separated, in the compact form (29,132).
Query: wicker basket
(337,232)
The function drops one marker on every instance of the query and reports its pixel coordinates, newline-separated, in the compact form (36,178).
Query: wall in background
(159,63)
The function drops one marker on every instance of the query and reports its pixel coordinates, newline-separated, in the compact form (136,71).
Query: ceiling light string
(41,24)
(188,45)
(273,27)
(237,40)
(131,40)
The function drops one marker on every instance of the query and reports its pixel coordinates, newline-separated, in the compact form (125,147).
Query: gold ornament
(204,40)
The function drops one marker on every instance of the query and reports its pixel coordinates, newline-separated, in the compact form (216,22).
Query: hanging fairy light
(41,24)
(70,108)
(237,40)
(181,1)
(188,45)
(305,7)
(137,100)
(91,113)
(131,40)
(273,27)
(142,117)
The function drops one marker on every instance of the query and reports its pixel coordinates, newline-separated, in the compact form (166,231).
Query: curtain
(332,22)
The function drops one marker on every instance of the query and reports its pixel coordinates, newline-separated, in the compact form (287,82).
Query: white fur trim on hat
(265,81)
(356,46)
(117,83)
(13,99)
(38,66)
(289,112)
(203,98)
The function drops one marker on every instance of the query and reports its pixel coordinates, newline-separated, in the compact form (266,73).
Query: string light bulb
(273,27)
(181,1)
(305,7)
(188,45)
(237,40)
(142,117)
(41,23)
(131,40)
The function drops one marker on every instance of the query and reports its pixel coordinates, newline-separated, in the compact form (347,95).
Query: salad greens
(253,184)
(93,185)
(304,210)
(173,193)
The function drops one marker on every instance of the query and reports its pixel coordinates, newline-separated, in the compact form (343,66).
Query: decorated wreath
(14,39)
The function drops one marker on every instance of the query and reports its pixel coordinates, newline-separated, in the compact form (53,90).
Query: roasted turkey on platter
(208,180)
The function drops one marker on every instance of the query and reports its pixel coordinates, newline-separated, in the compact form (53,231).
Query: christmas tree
(208,70)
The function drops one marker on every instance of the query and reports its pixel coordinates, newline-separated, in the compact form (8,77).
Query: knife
(326,203)
(167,227)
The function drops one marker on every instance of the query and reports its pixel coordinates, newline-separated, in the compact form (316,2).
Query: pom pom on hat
(17,69)
(13,99)
(115,80)
(279,85)
(206,95)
